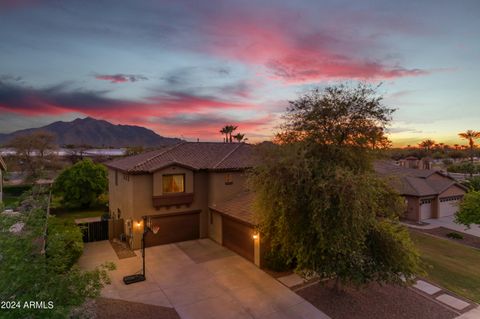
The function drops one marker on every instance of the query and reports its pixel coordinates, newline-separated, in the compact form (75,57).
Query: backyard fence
(94,231)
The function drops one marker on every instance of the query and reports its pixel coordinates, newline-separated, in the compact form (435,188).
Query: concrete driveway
(200,279)
(448,222)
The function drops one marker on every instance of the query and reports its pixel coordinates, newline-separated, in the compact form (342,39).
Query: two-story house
(190,190)
(3,168)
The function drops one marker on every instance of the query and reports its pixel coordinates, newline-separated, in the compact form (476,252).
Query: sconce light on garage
(255,236)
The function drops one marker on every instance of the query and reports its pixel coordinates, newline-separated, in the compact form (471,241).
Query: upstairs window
(228,179)
(173,183)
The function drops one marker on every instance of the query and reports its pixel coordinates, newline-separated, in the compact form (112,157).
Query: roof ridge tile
(227,156)
(157,155)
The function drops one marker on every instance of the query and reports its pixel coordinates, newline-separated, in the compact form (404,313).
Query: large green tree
(469,210)
(81,184)
(318,201)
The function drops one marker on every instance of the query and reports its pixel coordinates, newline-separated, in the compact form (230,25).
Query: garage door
(237,236)
(448,205)
(174,228)
(425,209)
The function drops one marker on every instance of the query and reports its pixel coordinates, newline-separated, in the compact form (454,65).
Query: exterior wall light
(255,236)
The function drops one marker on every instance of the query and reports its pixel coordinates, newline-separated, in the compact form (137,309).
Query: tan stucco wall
(215,227)
(413,208)
(134,197)
(120,195)
(143,189)
(157,179)
(219,191)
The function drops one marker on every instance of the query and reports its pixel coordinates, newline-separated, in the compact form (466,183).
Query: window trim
(184,183)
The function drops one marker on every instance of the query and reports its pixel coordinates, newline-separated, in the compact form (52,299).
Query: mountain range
(96,133)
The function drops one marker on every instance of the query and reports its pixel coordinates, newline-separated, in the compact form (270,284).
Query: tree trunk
(338,285)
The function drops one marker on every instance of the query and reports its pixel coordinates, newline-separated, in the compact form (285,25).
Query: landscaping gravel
(374,301)
(120,309)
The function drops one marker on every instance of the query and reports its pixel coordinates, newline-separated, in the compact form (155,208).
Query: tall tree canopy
(81,184)
(469,210)
(318,201)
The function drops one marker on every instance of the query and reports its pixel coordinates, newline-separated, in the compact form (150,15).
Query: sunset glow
(187,68)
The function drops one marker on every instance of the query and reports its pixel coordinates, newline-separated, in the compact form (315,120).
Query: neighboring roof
(238,207)
(193,155)
(3,166)
(415,182)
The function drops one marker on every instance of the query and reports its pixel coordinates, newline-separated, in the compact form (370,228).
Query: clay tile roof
(414,182)
(194,155)
(238,207)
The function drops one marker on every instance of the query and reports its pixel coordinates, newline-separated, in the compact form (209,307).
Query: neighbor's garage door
(237,236)
(425,209)
(174,228)
(448,205)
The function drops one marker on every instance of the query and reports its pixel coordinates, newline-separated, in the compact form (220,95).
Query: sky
(186,68)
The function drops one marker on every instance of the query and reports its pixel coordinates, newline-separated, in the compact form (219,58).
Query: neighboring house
(3,169)
(190,190)
(428,193)
(413,162)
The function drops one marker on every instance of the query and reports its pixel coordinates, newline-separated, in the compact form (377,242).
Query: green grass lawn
(78,213)
(73,213)
(453,266)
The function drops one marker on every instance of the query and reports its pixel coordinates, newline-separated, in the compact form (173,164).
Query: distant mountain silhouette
(97,133)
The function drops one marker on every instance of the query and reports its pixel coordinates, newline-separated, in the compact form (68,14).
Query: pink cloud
(120,78)
(297,53)
(180,113)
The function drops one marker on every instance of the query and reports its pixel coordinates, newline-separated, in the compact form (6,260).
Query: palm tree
(456,146)
(471,136)
(224,130)
(427,144)
(231,129)
(239,137)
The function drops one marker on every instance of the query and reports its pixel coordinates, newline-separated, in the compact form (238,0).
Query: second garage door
(237,236)
(174,228)
(448,206)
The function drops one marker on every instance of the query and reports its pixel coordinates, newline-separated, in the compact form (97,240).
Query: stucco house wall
(134,197)
(219,190)
(120,193)
(215,226)
(413,208)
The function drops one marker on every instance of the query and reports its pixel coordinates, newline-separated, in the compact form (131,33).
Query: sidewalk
(447,222)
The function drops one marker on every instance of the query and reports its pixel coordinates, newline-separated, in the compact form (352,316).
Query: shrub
(276,261)
(454,235)
(465,168)
(64,245)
